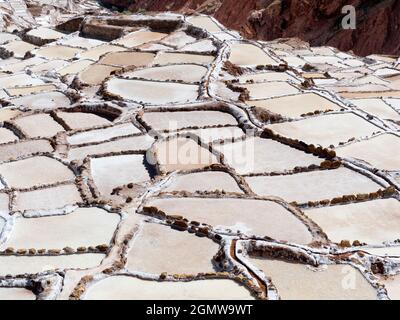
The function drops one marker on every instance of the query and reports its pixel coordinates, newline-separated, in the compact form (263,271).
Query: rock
(378,267)
(9,251)
(68,250)
(180,225)
(348,198)
(22,251)
(373,195)
(325,202)
(175,217)
(326,164)
(217,237)
(264,115)
(345,244)
(331,154)
(308,67)
(202,232)
(102,247)
(362,197)
(54,251)
(232,69)
(388,192)
(108,271)
(337,200)
(128,200)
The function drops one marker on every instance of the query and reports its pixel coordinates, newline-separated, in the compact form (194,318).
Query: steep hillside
(318,22)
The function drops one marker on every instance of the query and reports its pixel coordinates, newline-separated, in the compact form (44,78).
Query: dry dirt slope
(315,21)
